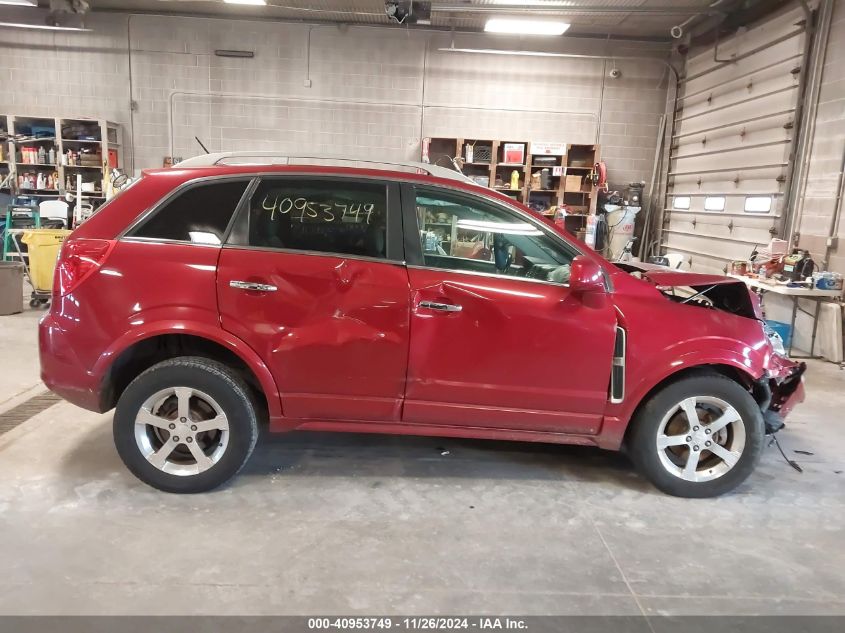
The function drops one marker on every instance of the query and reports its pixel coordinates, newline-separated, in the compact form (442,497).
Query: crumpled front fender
(783,388)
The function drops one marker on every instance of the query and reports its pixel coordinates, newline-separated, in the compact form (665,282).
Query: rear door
(312,278)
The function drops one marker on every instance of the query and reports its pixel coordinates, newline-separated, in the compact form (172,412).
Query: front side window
(200,214)
(464,234)
(327,216)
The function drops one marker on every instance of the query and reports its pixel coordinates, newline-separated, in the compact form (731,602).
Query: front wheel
(185,425)
(698,437)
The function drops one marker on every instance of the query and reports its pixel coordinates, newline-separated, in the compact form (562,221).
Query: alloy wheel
(700,439)
(181,431)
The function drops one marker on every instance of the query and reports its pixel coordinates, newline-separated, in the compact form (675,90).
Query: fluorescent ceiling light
(41,27)
(525,27)
(259,3)
(21,3)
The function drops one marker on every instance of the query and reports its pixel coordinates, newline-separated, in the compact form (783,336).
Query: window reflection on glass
(457,233)
(203,237)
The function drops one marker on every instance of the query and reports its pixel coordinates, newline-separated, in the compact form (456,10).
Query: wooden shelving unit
(567,182)
(87,147)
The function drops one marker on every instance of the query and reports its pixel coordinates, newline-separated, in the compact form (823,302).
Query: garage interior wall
(374,91)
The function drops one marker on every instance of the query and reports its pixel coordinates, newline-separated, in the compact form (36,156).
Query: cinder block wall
(822,185)
(373,91)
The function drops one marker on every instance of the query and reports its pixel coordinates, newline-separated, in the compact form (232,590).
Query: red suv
(208,299)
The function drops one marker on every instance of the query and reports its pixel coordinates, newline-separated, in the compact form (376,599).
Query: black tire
(210,377)
(645,428)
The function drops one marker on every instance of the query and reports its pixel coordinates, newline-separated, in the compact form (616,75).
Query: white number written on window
(305,210)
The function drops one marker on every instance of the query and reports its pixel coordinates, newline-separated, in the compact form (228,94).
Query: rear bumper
(61,369)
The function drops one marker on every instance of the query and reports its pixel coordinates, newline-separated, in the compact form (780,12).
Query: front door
(312,278)
(496,338)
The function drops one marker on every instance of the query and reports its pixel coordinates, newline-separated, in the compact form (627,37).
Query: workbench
(796,294)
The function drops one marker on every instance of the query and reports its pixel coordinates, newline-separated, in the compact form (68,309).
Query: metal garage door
(732,142)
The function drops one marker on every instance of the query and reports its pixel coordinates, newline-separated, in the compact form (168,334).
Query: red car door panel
(518,354)
(311,277)
(334,332)
(497,339)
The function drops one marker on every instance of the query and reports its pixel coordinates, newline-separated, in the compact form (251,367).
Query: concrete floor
(363,524)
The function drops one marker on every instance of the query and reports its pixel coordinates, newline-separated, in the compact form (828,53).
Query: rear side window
(326,216)
(199,215)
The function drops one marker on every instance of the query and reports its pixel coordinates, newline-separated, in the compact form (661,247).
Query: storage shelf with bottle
(45,155)
(541,175)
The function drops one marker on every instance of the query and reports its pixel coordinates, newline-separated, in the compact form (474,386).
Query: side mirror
(585,276)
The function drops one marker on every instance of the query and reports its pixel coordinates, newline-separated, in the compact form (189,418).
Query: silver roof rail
(275,158)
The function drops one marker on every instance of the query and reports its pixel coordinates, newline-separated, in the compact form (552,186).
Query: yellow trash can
(44,245)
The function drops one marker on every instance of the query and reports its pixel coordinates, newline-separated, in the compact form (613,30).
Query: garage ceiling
(649,19)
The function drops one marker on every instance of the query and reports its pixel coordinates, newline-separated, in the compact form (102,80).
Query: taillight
(78,259)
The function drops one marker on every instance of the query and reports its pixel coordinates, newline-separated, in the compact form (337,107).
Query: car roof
(252,163)
(268,159)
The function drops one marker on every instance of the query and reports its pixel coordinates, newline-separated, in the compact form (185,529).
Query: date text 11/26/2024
(418,623)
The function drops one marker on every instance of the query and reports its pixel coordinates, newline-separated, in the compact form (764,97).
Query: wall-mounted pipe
(564,8)
(812,66)
(833,228)
(239,95)
(529,53)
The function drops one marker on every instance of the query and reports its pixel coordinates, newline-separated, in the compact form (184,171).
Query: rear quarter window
(199,214)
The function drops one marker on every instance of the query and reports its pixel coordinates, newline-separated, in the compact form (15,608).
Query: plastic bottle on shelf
(52,156)
(514,179)
(42,155)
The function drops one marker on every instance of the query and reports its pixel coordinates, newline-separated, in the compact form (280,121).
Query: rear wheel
(185,425)
(698,437)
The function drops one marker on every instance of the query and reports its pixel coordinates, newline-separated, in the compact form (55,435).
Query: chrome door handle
(252,285)
(442,307)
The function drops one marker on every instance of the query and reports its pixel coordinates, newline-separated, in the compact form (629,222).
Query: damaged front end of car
(779,390)
(781,387)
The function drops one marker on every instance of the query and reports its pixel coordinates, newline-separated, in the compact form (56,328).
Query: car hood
(666,277)
(710,291)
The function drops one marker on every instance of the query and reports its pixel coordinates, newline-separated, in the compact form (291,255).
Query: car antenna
(204,148)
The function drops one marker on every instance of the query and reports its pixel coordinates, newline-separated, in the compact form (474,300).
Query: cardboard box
(573,183)
(514,153)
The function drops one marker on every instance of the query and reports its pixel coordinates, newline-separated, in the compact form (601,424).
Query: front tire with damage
(701,436)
